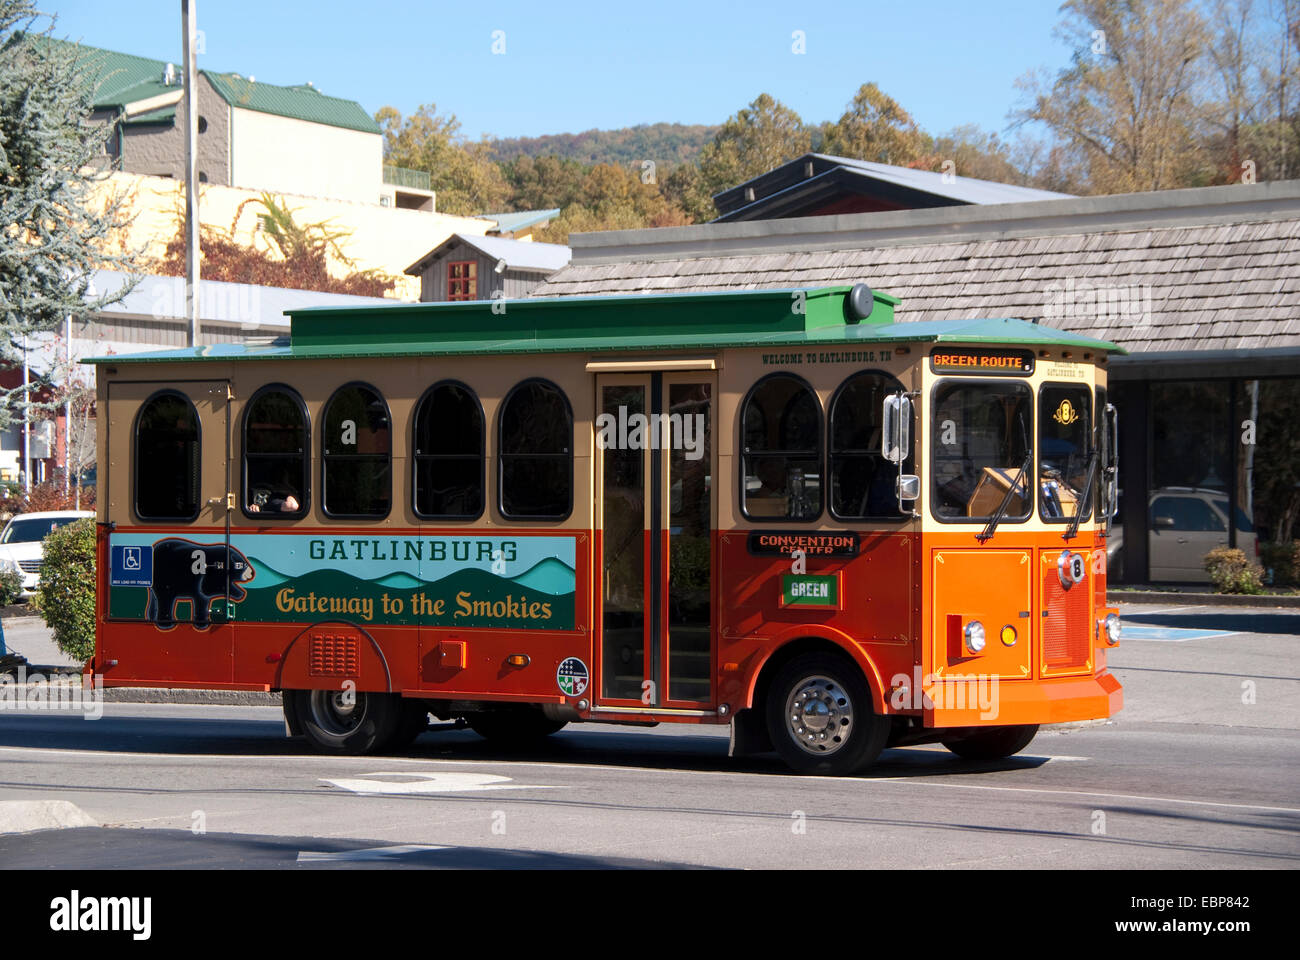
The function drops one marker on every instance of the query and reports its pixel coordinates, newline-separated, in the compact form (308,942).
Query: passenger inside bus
(265,500)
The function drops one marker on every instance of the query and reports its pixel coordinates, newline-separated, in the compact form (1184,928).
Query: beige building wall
(387,239)
(270,152)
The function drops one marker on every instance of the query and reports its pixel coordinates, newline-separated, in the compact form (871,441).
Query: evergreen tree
(52,235)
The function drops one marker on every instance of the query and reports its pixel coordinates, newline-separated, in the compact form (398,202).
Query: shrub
(1284,560)
(1231,572)
(11,585)
(66,595)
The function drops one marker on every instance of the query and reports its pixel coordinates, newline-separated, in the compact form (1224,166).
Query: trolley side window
(782,430)
(535,450)
(167,459)
(356,454)
(449,453)
(862,481)
(982,443)
(275,453)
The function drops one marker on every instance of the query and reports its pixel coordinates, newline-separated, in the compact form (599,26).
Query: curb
(1262,600)
(226,698)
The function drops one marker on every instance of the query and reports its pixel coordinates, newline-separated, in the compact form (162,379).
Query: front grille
(31,566)
(333,657)
(1067,639)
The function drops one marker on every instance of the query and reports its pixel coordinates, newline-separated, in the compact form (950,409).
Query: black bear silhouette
(198,572)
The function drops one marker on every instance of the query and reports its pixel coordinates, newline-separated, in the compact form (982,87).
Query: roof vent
(807,169)
(169,75)
(749,194)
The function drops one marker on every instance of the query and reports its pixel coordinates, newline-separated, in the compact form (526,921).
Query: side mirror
(1165,522)
(908,487)
(896,435)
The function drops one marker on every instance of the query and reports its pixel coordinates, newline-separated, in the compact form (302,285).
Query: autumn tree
(1129,103)
(613,197)
(763,135)
(874,127)
(465,176)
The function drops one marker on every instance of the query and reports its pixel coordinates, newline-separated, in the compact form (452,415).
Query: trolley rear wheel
(993,743)
(346,721)
(820,717)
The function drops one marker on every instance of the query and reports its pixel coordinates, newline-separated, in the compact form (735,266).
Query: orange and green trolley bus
(779,510)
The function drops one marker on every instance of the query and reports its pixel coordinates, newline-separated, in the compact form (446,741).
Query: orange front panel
(994,588)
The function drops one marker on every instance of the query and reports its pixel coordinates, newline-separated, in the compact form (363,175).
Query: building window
(535,450)
(356,454)
(782,455)
(449,453)
(275,453)
(167,459)
(462,280)
(862,481)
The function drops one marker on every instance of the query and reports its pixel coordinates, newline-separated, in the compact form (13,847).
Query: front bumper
(986,703)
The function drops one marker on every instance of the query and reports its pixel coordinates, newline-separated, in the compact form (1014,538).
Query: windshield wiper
(1085,504)
(987,532)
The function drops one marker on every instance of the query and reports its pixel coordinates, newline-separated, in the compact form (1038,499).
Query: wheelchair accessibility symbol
(131,565)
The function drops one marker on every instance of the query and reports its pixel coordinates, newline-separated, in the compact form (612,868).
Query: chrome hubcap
(337,712)
(820,716)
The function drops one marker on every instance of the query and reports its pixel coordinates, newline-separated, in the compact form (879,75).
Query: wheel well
(797,648)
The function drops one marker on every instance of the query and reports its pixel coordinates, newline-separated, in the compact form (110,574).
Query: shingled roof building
(1201,286)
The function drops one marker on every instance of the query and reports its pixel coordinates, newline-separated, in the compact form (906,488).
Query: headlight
(1113,628)
(974,636)
(9,566)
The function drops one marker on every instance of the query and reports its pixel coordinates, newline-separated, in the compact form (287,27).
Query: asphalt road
(1200,770)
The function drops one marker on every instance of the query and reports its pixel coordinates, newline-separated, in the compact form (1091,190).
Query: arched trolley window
(356,454)
(448,453)
(535,450)
(276,445)
(782,450)
(167,458)
(862,481)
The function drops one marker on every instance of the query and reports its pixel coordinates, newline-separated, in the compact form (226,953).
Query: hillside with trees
(668,143)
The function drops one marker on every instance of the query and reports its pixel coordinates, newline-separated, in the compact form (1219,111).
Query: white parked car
(22,544)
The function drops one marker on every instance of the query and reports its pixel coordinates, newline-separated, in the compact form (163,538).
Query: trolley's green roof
(791,318)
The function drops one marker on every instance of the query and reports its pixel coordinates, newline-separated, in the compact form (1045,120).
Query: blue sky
(571,67)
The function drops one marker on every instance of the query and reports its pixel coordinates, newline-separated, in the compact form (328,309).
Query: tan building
(321,156)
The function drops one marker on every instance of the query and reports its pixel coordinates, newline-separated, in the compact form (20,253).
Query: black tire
(514,728)
(994,743)
(331,724)
(840,736)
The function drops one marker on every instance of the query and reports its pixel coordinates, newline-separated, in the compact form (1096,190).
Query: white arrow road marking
(457,782)
(368,853)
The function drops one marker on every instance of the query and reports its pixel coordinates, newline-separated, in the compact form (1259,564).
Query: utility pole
(188,28)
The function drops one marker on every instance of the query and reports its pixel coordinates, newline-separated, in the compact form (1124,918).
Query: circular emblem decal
(572,677)
(1071,569)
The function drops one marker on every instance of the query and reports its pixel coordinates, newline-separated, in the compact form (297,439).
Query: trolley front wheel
(820,718)
(993,743)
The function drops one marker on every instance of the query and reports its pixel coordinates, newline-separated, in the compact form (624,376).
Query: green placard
(810,590)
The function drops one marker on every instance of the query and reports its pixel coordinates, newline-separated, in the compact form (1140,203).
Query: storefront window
(1191,475)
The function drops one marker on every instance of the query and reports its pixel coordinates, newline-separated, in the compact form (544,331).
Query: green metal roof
(301,102)
(691,321)
(124,78)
